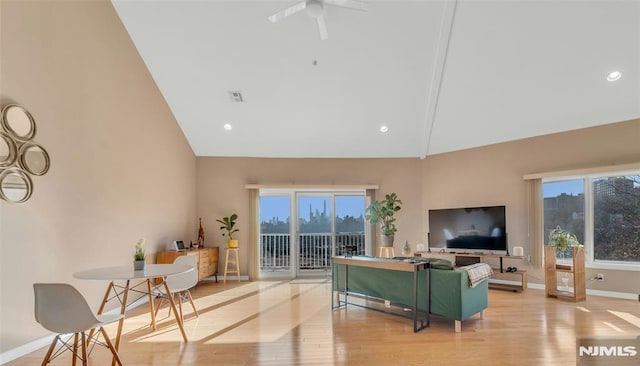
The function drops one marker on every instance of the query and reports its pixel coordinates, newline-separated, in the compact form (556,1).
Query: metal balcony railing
(315,251)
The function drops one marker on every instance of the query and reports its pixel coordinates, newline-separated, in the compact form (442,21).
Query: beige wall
(121,168)
(221,188)
(491,175)
(494,175)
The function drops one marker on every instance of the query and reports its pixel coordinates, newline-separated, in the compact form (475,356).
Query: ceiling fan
(315,9)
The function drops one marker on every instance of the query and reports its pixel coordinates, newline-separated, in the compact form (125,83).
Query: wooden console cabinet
(207,259)
(575,270)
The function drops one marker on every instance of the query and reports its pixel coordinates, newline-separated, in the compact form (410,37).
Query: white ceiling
(442,75)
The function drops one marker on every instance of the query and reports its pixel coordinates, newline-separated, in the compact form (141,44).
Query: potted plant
(228,224)
(139,257)
(563,241)
(382,212)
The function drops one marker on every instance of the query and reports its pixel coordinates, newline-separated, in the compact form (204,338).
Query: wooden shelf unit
(576,270)
(521,275)
(207,259)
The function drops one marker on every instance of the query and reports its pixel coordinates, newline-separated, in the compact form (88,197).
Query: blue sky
(272,206)
(554,189)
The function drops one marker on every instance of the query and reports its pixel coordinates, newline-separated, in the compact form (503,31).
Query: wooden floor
(291,323)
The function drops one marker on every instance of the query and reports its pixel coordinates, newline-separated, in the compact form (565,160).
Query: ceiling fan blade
(322,28)
(349,4)
(287,12)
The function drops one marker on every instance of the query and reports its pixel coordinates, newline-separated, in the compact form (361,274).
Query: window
(616,218)
(603,210)
(564,206)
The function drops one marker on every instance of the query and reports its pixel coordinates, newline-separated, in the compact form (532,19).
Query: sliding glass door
(315,232)
(301,230)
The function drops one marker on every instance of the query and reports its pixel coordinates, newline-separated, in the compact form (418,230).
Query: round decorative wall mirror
(19,155)
(18,122)
(8,151)
(15,185)
(34,159)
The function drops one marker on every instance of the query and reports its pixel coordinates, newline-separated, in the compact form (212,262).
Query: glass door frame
(294,227)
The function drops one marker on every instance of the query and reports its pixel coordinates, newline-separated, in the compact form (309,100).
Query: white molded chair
(60,308)
(181,283)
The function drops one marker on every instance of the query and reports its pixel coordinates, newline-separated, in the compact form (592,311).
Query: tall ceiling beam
(444,37)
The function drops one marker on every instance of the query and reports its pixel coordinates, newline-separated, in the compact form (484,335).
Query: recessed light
(227,126)
(384,128)
(614,75)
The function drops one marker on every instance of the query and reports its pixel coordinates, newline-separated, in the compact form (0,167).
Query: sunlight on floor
(612,327)
(627,317)
(262,311)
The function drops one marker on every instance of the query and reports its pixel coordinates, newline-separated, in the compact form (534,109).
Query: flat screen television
(470,228)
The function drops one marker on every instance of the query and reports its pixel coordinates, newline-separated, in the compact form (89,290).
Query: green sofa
(451,297)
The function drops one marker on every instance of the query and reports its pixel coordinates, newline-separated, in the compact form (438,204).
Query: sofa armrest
(451,296)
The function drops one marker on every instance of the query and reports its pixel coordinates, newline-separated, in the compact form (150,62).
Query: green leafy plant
(139,256)
(228,224)
(563,240)
(382,212)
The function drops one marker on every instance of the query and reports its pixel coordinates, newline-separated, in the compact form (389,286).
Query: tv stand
(478,257)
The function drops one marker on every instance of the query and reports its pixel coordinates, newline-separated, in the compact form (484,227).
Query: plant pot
(387,241)
(232,243)
(138,265)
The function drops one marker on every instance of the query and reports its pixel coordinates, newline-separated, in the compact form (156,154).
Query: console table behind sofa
(451,297)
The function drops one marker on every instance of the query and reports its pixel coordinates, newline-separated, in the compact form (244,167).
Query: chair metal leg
(116,357)
(192,304)
(50,351)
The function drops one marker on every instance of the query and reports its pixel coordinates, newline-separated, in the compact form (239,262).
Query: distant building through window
(602,210)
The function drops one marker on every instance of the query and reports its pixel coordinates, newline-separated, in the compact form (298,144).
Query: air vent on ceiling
(236,96)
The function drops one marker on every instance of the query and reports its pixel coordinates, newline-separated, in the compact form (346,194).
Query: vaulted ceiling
(441,75)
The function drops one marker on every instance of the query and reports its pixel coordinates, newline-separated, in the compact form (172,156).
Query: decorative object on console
(518,251)
(406,250)
(200,234)
(20,156)
(382,212)
(139,257)
(228,224)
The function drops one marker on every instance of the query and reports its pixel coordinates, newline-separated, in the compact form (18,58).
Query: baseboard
(229,278)
(25,349)
(33,346)
(613,294)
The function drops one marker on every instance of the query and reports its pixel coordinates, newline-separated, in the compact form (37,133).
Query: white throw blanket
(477,273)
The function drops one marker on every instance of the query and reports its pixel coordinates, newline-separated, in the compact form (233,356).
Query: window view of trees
(616,219)
(616,214)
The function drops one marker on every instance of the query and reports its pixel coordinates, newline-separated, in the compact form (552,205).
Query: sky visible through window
(570,187)
(279,206)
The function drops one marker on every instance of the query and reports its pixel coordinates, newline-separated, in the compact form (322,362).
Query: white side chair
(60,308)
(180,284)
